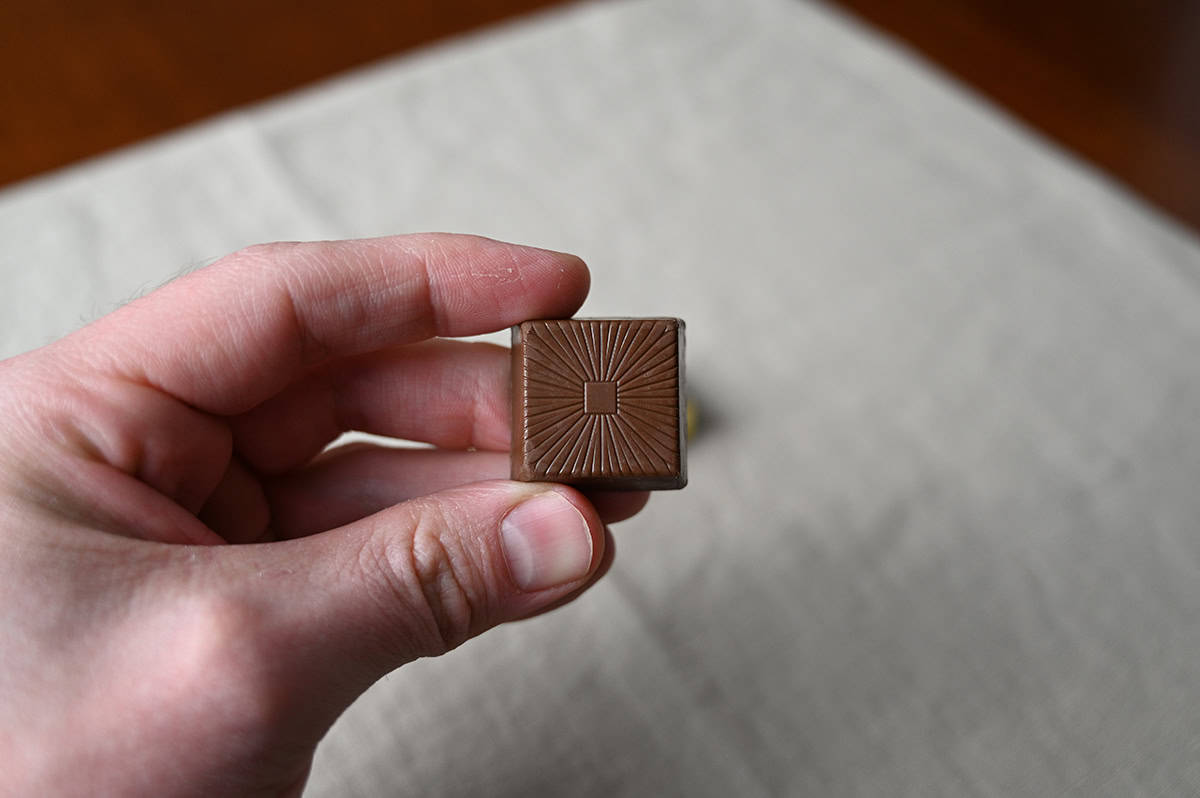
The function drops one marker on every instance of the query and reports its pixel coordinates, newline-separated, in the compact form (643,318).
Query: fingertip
(581,277)
(567,276)
(558,281)
(591,519)
(480,284)
(602,567)
(616,506)
(599,509)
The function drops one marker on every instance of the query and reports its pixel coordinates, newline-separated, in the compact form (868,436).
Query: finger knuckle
(433,584)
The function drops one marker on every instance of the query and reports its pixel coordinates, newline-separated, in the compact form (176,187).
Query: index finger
(227,337)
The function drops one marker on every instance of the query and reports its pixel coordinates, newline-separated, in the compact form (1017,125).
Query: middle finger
(452,394)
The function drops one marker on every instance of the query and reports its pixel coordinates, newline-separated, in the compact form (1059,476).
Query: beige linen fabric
(942,536)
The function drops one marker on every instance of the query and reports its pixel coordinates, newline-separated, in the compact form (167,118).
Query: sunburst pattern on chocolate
(602,398)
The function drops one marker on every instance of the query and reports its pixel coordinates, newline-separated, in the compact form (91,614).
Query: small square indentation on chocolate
(599,397)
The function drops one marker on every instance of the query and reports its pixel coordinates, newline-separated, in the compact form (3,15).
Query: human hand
(141,654)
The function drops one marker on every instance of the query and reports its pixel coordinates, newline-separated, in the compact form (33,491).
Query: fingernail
(546,542)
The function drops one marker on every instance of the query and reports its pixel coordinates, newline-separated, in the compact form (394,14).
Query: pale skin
(193,586)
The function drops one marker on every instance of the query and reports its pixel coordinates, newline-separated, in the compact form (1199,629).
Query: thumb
(342,608)
(434,572)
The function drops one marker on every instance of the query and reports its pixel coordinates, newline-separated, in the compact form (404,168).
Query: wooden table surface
(1117,81)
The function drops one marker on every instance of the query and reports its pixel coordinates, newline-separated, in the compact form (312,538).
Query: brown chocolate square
(599,403)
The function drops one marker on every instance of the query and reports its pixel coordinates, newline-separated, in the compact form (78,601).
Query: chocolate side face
(599,403)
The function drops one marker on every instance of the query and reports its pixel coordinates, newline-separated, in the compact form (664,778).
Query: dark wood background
(1117,81)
